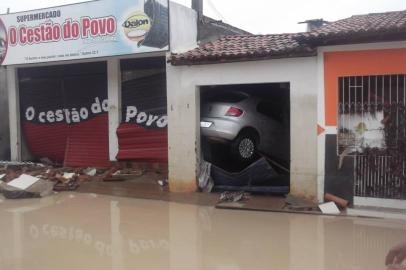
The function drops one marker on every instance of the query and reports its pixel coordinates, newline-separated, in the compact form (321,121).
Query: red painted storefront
(64,114)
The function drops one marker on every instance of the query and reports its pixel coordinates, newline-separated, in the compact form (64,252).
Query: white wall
(4,126)
(183,113)
(182,28)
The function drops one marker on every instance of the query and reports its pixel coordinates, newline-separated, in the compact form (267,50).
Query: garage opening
(245,130)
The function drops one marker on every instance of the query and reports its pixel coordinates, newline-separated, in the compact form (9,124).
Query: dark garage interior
(245,135)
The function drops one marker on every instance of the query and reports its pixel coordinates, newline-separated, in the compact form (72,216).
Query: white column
(114,96)
(183,132)
(321,138)
(14,113)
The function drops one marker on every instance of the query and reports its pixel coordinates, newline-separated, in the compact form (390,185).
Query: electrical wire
(216,11)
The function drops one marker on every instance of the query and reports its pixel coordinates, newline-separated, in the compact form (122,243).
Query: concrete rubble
(62,178)
(329,208)
(228,196)
(295,203)
(342,203)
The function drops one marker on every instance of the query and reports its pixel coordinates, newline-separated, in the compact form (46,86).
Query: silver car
(3,44)
(248,123)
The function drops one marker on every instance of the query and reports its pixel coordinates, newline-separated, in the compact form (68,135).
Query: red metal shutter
(71,88)
(138,138)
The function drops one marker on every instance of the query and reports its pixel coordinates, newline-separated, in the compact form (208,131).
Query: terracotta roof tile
(247,47)
(359,25)
(356,29)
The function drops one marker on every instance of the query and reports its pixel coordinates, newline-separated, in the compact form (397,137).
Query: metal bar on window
(369,90)
(404,89)
(383,93)
(397,108)
(372,174)
(397,88)
(390,89)
(376,93)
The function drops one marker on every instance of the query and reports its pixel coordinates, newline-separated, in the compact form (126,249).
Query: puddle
(103,232)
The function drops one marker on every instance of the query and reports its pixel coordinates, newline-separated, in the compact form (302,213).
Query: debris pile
(294,203)
(27,176)
(332,205)
(340,202)
(259,177)
(228,196)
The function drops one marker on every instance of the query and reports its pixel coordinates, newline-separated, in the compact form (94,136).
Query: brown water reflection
(85,231)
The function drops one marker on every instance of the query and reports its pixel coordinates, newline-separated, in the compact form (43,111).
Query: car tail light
(233,111)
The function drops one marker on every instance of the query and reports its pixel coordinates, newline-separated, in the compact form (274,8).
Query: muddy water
(84,231)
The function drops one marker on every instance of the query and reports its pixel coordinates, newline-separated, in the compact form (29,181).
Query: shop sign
(79,114)
(85,30)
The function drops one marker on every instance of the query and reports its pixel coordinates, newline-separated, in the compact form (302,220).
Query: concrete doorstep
(377,212)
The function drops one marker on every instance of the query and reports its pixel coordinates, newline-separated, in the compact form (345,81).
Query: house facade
(347,89)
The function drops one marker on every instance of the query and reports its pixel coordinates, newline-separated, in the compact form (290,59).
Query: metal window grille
(372,119)
(364,97)
(373,178)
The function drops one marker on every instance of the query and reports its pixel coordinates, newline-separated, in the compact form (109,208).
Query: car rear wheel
(244,147)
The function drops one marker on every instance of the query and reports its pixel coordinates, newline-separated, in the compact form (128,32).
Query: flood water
(87,231)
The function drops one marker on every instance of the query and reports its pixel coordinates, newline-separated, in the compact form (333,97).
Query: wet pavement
(88,231)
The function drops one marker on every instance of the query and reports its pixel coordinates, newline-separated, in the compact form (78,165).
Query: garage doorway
(245,124)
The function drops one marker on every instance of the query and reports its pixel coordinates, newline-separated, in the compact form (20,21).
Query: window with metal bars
(371,112)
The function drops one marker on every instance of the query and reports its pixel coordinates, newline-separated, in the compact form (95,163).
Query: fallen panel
(257,177)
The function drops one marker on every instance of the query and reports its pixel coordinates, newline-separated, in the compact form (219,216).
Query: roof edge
(213,61)
(353,37)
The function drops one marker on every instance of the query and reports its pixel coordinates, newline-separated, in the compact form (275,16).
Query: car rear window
(232,97)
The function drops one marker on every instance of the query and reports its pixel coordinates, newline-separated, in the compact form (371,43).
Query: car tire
(244,147)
